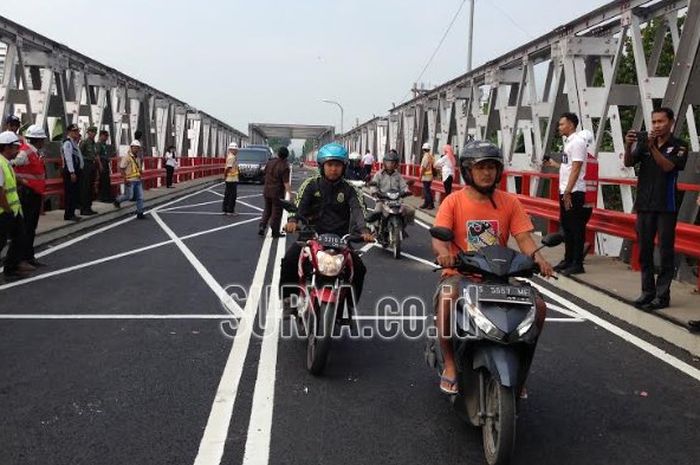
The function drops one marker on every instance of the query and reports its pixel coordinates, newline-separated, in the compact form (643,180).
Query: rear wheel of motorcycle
(498,431)
(320,333)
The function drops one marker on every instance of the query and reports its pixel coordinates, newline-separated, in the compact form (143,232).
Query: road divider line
(229,304)
(189,205)
(625,335)
(251,206)
(211,447)
(172,316)
(257,447)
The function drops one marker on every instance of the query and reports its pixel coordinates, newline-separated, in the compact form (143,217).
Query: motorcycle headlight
(484,323)
(393,195)
(527,323)
(329,264)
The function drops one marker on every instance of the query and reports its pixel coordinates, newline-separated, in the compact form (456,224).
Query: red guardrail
(152,175)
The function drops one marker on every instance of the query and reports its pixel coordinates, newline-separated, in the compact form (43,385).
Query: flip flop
(453,383)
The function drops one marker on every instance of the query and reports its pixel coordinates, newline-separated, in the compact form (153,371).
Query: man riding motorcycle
(388,179)
(331,205)
(355,172)
(480,215)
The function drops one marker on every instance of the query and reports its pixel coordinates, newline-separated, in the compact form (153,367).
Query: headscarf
(448,151)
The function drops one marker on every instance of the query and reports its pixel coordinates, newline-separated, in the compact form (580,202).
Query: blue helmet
(332,151)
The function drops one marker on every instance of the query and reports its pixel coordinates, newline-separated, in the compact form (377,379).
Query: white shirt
(170,159)
(368,159)
(444,164)
(574,150)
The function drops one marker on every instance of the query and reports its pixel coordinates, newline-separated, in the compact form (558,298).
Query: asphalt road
(125,350)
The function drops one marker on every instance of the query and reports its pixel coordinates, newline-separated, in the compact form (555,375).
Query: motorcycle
(495,328)
(388,223)
(325,277)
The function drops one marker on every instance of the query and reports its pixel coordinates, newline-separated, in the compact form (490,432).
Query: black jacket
(656,189)
(335,208)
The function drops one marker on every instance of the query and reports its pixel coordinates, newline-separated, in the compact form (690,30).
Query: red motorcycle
(325,276)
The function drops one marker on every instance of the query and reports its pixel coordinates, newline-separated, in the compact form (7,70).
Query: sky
(274,61)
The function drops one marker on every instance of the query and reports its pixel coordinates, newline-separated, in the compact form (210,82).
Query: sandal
(452,390)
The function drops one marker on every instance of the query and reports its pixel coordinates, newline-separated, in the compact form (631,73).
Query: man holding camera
(660,156)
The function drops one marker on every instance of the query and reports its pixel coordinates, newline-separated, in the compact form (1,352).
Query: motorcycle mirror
(553,239)
(288,206)
(442,234)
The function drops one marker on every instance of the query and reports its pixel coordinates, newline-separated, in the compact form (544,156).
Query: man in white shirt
(72,171)
(572,192)
(367,163)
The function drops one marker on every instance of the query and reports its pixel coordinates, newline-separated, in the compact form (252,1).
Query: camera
(642,135)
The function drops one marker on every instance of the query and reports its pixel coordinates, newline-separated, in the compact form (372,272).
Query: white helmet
(426,146)
(35,131)
(233,146)
(135,143)
(355,156)
(9,138)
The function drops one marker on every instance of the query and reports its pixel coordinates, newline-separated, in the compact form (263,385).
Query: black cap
(72,127)
(12,119)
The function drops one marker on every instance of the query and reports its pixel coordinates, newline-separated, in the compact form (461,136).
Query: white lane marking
(226,299)
(419,260)
(184,212)
(257,446)
(366,248)
(75,240)
(251,206)
(118,256)
(189,205)
(172,316)
(422,225)
(625,335)
(217,193)
(211,448)
(564,310)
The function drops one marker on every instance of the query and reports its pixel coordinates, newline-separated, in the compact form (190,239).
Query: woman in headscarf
(446,164)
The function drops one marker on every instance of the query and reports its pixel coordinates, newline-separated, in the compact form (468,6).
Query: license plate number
(505,294)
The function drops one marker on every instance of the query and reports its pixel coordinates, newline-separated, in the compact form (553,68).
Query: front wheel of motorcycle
(320,332)
(395,240)
(498,431)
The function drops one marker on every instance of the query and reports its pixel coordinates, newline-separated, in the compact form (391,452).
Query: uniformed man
(91,167)
(72,172)
(31,178)
(11,219)
(105,190)
(659,156)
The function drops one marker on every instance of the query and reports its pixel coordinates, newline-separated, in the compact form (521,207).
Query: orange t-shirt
(477,224)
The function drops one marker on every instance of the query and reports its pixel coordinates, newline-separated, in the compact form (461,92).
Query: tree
(277,142)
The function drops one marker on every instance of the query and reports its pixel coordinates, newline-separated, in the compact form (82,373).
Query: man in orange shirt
(480,215)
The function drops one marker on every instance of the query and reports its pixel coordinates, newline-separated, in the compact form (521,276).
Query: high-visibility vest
(591,179)
(33,173)
(133,171)
(10,186)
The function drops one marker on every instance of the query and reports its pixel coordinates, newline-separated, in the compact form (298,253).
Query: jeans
(428,194)
(134,189)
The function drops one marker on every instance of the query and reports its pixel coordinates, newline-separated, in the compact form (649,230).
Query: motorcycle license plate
(505,294)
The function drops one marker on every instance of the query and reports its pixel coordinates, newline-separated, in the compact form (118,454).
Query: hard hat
(8,138)
(233,146)
(426,146)
(35,131)
(135,143)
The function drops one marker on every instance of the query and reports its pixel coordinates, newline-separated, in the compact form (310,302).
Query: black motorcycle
(388,222)
(494,336)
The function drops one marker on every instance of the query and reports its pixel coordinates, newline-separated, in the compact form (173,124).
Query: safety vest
(591,179)
(10,186)
(33,173)
(133,171)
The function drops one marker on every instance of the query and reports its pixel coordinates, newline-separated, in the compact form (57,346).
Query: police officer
(11,219)
(105,183)
(72,172)
(659,156)
(91,166)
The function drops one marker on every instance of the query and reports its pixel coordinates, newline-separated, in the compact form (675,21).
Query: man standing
(11,220)
(12,123)
(72,172)
(367,163)
(277,184)
(426,177)
(660,156)
(231,180)
(131,171)
(31,178)
(91,167)
(105,191)
(573,215)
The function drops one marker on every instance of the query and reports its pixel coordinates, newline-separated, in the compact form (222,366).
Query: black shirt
(331,207)
(656,188)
